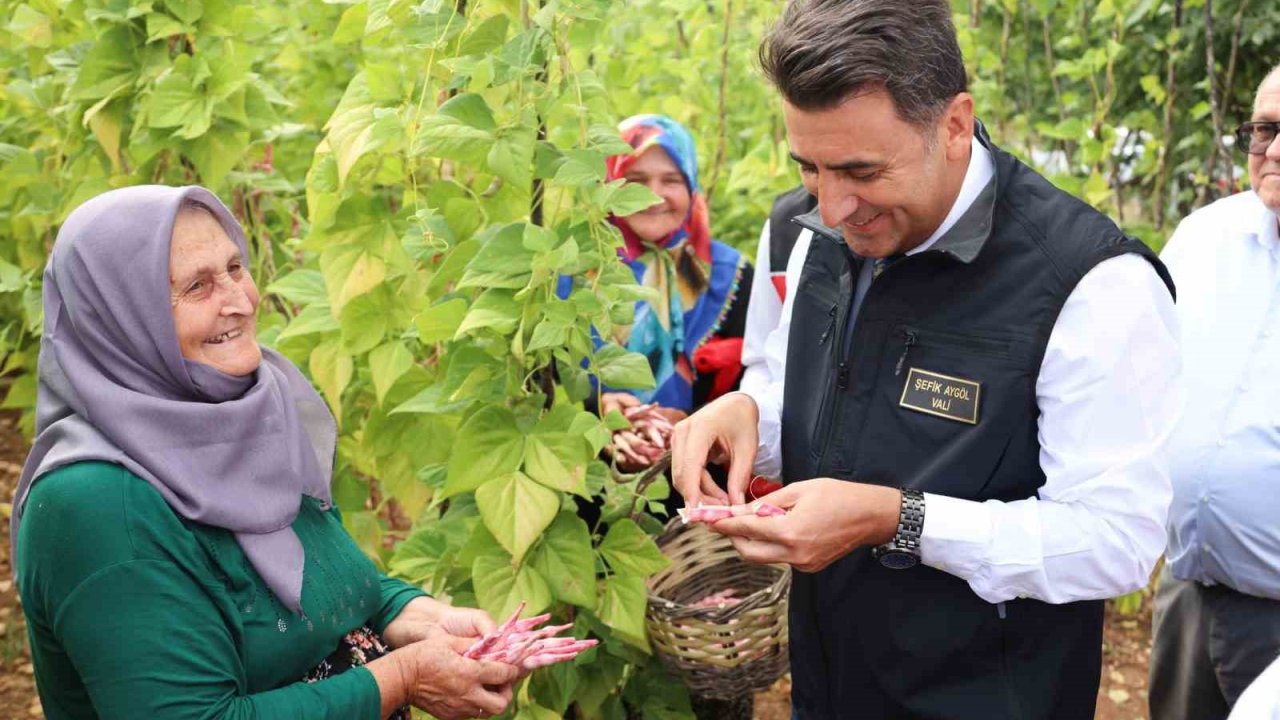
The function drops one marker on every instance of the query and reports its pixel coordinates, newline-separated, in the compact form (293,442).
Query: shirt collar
(967,225)
(980,171)
(1267,230)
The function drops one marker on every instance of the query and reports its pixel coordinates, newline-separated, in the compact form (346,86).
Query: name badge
(942,395)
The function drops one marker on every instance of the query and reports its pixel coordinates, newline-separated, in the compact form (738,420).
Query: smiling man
(981,373)
(1217,621)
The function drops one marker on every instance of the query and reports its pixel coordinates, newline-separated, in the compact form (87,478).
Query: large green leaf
(566,560)
(630,551)
(440,322)
(589,427)
(558,461)
(555,686)
(418,558)
(489,444)
(547,334)
(351,27)
(496,310)
(359,125)
(188,11)
(621,368)
(386,364)
(622,604)
(501,586)
(216,153)
(516,510)
(463,129)
(332,370)
(511,156)
(502,262)
(433,400)
(179,99)
(10,277)
(471,110)
(110,66)
(629,198)
(581,167)
(487,36)
(364,322)
(350,271)
(313,319)
(33,26)
(400,481)
(302,287)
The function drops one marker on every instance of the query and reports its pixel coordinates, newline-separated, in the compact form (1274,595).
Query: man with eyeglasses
(1217,615)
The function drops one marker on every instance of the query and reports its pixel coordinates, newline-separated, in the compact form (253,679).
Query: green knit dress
(134,612)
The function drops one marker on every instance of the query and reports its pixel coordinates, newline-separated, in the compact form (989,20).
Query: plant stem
(1170,95)
(1215,107)
(724,110)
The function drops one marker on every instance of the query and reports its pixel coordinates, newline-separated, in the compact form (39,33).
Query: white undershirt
(1108,391)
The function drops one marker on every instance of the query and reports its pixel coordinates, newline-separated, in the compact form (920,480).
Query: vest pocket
(955,342)
(944,408)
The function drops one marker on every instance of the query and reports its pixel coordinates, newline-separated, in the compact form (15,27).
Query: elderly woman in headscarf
(176,545)
(692,335)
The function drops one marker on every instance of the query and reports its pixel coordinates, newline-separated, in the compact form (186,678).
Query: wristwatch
(903,551)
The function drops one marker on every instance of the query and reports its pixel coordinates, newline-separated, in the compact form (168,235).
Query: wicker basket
(719,652)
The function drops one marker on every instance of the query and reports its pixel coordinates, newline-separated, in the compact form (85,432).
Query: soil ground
(1126,643)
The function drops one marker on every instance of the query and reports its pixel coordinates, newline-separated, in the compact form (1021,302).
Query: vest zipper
(936,338)
(831,324)
(906,349)
(838,348)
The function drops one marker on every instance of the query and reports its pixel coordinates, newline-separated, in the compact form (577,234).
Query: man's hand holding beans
(825,519)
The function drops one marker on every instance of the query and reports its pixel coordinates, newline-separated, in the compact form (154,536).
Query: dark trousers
(1209,643)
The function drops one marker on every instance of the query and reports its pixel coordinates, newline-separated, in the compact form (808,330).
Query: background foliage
(415,175)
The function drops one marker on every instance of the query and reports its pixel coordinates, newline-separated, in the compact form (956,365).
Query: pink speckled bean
(530,623)
(764,509)
(497,638)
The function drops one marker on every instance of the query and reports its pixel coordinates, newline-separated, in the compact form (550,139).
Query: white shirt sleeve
(1261,700)
(1109,392)
(1180,244)
(768,396)
(763,309)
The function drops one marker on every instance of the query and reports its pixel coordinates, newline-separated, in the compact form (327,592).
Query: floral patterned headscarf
(695,277)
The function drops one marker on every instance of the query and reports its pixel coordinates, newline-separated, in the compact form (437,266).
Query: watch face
(898,560)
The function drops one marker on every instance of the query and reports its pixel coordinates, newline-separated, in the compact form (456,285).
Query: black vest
(937,392)
(782,232)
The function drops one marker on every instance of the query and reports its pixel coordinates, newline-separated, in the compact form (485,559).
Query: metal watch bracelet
(910,525)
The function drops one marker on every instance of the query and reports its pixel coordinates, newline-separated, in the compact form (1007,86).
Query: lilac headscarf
(232,452)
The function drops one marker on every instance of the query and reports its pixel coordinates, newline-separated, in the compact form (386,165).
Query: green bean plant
(460,177)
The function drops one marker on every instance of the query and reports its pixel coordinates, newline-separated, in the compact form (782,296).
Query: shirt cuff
(395,595)
(956,536)
(769,432)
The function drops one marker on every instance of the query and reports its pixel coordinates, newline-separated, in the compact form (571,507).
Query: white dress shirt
(1108,392)
(1261,700)
(1224,525)
(764,309)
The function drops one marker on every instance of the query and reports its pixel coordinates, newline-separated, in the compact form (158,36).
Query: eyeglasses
(1255,137)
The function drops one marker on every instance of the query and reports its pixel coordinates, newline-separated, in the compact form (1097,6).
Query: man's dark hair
(822,52)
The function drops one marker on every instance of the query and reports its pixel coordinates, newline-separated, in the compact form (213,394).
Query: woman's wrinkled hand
(648,439)
(619,401)
(439,680)
(424,618)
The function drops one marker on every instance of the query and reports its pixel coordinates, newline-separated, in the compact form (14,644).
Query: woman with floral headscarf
(692,335)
